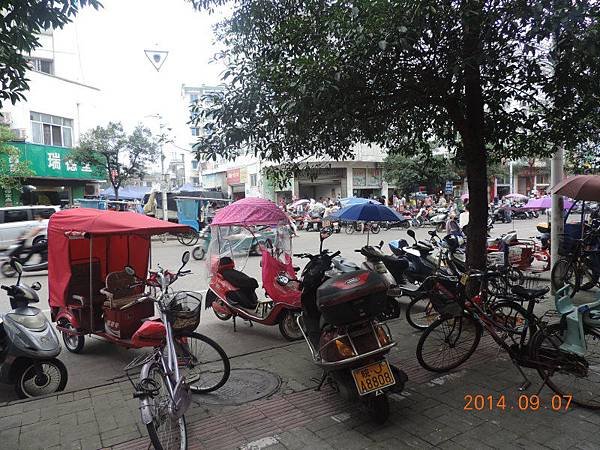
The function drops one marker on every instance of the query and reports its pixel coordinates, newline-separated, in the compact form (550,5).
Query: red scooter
(232,293)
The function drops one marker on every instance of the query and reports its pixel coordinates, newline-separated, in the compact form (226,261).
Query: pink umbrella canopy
(250,211)
(580,187)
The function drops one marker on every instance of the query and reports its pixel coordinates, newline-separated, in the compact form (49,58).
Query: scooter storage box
(123,323)
(352,297)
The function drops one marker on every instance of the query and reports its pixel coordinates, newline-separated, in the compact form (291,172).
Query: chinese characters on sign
(71,166)
(54,160)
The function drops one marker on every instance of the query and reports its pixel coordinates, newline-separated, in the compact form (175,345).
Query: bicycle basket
(566,244)
(184,311)
(446,297)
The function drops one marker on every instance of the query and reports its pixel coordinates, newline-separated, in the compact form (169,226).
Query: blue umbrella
(357,201)
(368,212)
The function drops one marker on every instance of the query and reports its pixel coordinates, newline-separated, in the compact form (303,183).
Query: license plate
(464,278)
(373,377)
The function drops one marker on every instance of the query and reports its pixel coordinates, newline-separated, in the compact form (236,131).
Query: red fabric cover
(117,239)
(250,211)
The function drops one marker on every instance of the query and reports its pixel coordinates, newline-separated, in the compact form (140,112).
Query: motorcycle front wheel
(7,270)
(51,377)
(288,326)
(198,253)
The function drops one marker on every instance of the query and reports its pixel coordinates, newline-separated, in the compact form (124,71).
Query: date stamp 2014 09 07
(525,402)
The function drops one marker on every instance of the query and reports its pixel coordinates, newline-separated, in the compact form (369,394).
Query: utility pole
(556,222)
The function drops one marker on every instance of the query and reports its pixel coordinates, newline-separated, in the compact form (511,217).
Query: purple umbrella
(545,203)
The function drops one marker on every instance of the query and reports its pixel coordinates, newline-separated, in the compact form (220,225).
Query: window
(15,215)
(194,164)
(42,65)
(195,131)
(45,213)
(51,130)
(252,180)
(193,98)
(196,181)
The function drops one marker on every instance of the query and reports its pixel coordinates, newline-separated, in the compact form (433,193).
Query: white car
(16,220)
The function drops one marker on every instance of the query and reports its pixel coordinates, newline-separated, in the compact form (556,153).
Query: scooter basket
(184,312)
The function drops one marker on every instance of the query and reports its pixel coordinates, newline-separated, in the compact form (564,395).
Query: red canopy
(109,240)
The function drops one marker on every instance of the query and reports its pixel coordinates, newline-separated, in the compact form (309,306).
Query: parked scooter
(39,256)
(28,344)
(200,251)
(422,262)
(344,337)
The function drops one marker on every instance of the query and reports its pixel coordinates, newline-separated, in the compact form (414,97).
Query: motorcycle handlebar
(4,288)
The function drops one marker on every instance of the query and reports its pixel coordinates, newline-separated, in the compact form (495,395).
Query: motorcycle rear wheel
(378,407)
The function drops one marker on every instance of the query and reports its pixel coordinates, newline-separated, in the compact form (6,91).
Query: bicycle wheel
(189,239)
(565,373)
(448,342)
(350,228)
(375,228)
(203,362)
(165,431)
(420,313)
(564,272)
(587,277)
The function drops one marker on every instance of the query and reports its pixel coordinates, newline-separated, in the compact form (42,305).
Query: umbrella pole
(368,233)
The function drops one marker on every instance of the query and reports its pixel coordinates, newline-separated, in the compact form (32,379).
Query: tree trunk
(473,136)
(116,189)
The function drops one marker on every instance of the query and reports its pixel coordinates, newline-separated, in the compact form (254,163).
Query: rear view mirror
(36,286)
(185,257)
(432,233)
(325,233)
(412,234)
(17,266)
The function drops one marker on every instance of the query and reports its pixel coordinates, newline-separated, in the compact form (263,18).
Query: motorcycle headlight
(37,322)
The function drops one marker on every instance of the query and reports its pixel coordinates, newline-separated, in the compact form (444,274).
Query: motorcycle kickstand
(526,382)
(322,382)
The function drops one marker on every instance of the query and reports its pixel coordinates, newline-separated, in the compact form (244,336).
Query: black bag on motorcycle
(352,297)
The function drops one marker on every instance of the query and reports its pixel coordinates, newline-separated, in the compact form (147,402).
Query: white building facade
(59,106)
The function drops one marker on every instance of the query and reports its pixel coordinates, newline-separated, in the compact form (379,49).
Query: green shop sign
(53,162)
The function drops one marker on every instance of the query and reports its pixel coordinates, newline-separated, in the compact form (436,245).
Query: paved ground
(98,410)
(430,413)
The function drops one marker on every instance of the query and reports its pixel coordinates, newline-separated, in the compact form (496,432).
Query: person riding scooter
(36,248)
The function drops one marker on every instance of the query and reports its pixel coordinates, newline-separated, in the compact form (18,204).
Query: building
(58,108)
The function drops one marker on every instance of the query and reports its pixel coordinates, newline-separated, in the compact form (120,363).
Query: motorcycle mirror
(185,258)
(432,233)
(412,234)
(381,244)
(129,271)
(36,286)
(17,266)
(325,233)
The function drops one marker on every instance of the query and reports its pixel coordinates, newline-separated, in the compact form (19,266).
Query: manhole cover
(243,385)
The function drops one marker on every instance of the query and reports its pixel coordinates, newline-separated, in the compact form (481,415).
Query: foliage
(22,21)
(583,159)
(12,171)
(123,156)
(407,173)
(486,79)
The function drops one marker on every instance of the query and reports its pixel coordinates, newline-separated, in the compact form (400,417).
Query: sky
(112,41)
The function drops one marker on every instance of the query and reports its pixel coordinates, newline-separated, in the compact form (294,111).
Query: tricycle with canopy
(97,276)
(231,292)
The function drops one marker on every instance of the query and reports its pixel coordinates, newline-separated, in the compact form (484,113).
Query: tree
(12,170)
(124,157)
(407,173)
(22,21)
(488,79)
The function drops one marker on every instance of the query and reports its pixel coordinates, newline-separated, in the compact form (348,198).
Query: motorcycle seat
(239,279)
(529,294)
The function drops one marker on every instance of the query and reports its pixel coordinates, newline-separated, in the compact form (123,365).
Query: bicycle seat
(529,294)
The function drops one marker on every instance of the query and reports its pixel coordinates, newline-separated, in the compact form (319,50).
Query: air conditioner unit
(6,118)
(92,190)
(20,133)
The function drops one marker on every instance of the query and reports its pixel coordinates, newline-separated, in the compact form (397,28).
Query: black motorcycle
(33,259)
(339,323)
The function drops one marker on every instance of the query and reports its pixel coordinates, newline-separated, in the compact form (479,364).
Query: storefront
(56,180)
(366,182)
(236,179)
(322,183)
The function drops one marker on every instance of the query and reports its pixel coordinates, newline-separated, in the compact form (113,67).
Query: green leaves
(21,21)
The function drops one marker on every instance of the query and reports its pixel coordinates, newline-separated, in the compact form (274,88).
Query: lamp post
(157,58)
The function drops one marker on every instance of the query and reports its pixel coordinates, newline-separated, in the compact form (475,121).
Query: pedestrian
(452,226)
(463,219)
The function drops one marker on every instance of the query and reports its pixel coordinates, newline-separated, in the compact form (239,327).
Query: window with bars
(42,65)
(51,130)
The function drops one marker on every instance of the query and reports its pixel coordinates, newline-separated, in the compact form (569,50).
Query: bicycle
(175,369)
(579,266)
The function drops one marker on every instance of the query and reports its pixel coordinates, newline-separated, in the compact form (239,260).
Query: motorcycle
(231,293)
(439,219)
(199,251)
(340,326)
(28,344)
(422,262)
(18,251)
